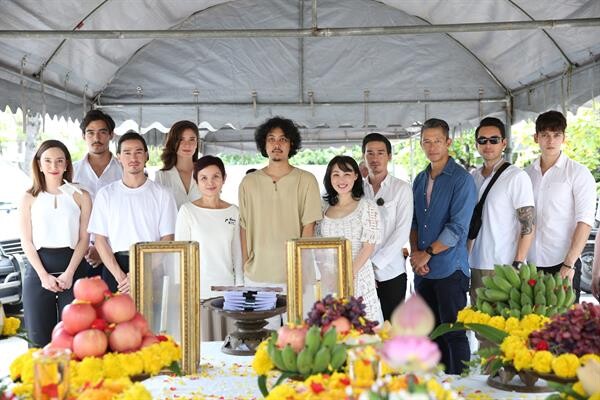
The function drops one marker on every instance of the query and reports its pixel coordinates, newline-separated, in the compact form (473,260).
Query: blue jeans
(446,297)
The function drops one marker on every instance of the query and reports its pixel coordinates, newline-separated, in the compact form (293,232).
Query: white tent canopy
(213,62)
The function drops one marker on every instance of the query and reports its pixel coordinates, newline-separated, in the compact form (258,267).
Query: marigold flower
(565,365)
(262,364)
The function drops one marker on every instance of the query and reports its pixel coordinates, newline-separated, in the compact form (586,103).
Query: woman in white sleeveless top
(352,216)
(54,215)
(214,224)
(178,157)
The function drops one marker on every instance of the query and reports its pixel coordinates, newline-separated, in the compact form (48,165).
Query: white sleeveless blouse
(55,221)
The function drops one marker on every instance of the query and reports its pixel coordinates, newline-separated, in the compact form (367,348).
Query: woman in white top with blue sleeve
(178,157)
(53,221)
(214,224)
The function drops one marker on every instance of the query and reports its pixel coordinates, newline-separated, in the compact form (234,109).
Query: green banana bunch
(289,359)
(319,355)
(509,293)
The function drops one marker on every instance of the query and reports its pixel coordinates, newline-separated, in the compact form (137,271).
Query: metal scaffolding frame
(299,33)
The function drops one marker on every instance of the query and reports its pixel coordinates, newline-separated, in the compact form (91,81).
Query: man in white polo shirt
(96,169)
(134,209)
(508,213)
(395,200)
(565,197)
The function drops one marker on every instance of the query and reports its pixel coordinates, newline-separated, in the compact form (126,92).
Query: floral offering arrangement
(512,293)
(400,367)
(564,344)
(316,346)
(109,344)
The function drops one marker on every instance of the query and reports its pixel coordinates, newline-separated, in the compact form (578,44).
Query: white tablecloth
(223,376)
(231,377)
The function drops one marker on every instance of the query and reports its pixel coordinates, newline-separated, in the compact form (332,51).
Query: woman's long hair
(39,181)
(346,164)
(169,154)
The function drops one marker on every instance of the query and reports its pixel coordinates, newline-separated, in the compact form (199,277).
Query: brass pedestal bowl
(250,326)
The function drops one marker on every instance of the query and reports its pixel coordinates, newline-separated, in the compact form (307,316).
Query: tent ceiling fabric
(385,82)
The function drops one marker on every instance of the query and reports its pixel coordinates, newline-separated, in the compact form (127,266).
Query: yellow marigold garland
(337,385)
(11,326)
(111,367)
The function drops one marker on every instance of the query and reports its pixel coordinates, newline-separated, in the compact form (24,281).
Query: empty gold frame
(317,267)
(165,282)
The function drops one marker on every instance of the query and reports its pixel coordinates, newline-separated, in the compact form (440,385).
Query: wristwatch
(429,250)
(517,264)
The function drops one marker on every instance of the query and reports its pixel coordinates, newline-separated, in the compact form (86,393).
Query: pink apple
(125,337)
(140,322)
(294,336)
(90,289)
(77,317)
(61,339)
(149,341)
(118,308)
(90,343)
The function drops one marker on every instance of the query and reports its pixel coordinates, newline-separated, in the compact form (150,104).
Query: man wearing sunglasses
(565,195)
(508,215)
(395,202)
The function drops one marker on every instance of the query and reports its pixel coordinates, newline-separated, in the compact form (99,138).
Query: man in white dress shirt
(508,216)
(134,209)
(97,168)
(565,197)
(395,200)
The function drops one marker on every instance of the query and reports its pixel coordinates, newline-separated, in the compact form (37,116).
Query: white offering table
(224,376)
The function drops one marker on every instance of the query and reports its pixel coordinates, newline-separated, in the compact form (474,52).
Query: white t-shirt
(564,196)
(500,230)
(218,233)
(84,175)
(127,216)
(396,217)
(172,181)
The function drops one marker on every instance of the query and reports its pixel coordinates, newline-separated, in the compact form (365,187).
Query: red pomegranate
(77,317)
(118,308)
(90,289)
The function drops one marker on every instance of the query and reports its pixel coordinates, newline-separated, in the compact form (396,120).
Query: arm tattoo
(526,217)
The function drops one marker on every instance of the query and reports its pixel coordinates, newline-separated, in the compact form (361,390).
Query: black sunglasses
(492,140)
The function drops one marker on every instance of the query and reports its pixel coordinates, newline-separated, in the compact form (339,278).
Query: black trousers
(42,308)
(391,293)
(123,261)
(446,297)
(91,271)
(576,277)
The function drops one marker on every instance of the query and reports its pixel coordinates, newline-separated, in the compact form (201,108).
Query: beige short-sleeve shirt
(272,213)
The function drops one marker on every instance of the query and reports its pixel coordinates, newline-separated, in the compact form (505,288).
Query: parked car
(587,259)
(12,269)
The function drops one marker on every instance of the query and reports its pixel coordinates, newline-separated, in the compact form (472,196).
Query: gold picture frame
(317,267)
(165,282)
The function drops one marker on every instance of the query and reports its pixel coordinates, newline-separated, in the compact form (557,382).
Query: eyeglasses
(492,140)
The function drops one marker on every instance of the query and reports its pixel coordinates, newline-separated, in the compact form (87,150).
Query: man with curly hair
(277,203)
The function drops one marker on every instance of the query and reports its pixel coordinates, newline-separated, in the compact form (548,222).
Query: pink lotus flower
(413,318)
(411,353)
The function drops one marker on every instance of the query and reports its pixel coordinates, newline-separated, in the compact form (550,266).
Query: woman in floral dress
(350,215)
